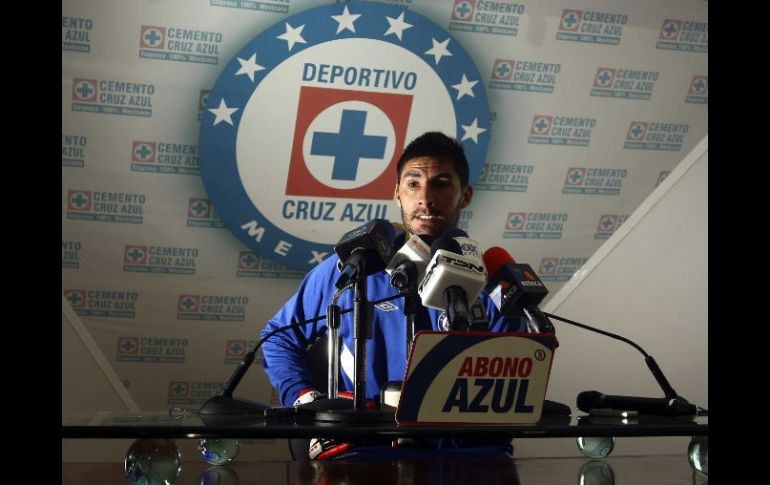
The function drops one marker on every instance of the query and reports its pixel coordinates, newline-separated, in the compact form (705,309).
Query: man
(432,187)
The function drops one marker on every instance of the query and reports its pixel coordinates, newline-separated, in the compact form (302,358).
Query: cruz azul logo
(608,224)
(594,180)
(281,6)
(235,351)
(699,90)
(192,392)
(490,17)
(356,82)
(112,97)
(101,206)
(179,44)
(523,75)
(561,130)
(70,254)
(559,269)
(653,135)
(591,27)
(200,213)
(504,177)
(211,307)
(159,259)
(252,265)
(151,349)
(100,303)
(684,35)
(76,34)
(73,150)
(535,225)
(466,216)
(164,157)
(619,82)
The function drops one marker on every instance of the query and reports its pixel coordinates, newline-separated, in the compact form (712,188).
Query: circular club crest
(302,130)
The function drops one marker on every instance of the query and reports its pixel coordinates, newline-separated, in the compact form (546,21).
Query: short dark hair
(443,148)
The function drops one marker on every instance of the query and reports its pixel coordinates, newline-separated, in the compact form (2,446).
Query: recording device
(452,279)
(407,267)
(513,287)
(364,251)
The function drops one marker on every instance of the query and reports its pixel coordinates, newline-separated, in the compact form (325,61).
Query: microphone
(672,405)
(407,267)
(516,286)
(452,279)
(364,251)
(588,400)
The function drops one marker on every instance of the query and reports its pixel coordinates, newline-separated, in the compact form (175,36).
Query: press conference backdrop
(592,105)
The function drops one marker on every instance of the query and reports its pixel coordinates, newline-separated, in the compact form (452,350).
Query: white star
(439,50)
(397,26)
(249,66)
(345,21)
(292,35)
(465,87)
(223,112)
(473,131)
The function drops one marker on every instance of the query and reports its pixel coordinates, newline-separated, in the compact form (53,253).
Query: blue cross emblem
(463,10)
(79,200)
(84,90)
(549,266)
(152,37)
(670,29)
(236,349)
(135,254)
(189,303)
(637,131)
(699,85)
(75,298)
(143,151)
(570,20)
(575,176)
(199,208)
(515,221)
(607,223)
(127,345)
(604,77)
(349,145)
(542,125)
(502,69)
(179,389)
(249,260)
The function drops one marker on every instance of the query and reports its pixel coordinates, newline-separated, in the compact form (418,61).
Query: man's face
(430,196)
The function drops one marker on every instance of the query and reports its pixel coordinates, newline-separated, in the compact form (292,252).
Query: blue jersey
(386,355)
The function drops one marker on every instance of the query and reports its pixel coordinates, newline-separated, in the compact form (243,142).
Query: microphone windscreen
(446,243)
(588,400)
(454,232)
(495,258)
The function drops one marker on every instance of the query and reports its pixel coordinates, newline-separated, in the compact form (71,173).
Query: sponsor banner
(147,349)
(487,17)
(236,350)
(559,269)
(594,180)
(70,254)
(192,392)
(102,303)
(73,150)
(164,157)
(684,35)
(159,259)
(200,213)
(619,82)
(561,130)
(278,6)
(608,224)
(592,27)
(76,34)
(103,206)
(699,90)
(171,43)
(535,225)
(252,265)
(504,177)
(524,75)
(653,135)
(115,97)
(211,307)
(371,74)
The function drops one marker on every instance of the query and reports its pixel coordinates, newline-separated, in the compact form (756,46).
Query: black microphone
(364,251)
(513,286)
(407,267)
(588,400)
(672,405)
